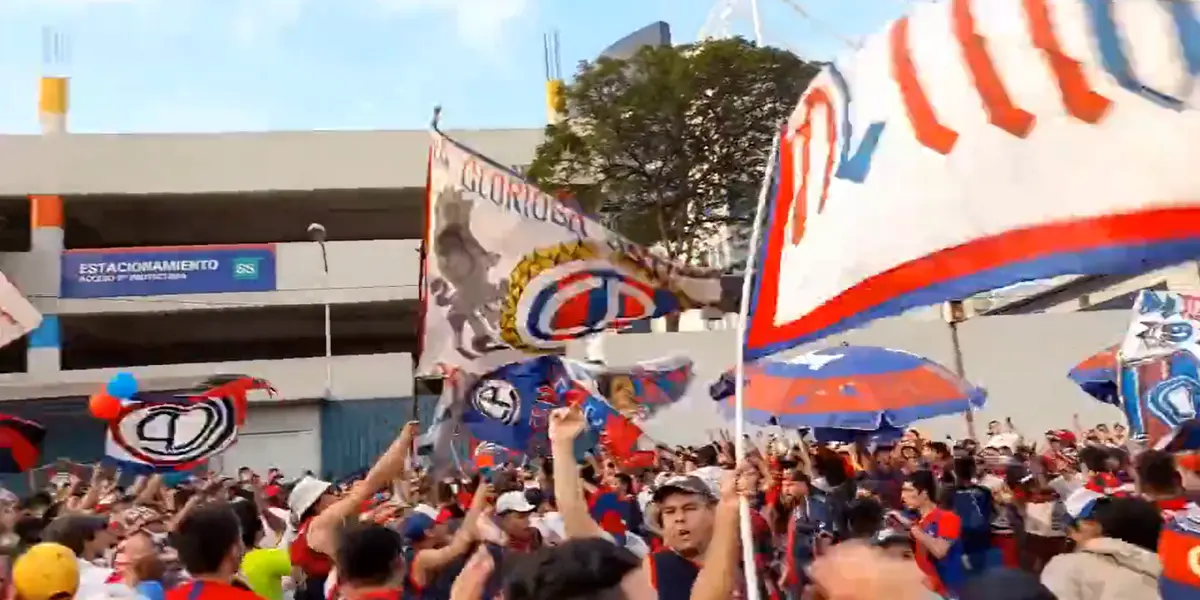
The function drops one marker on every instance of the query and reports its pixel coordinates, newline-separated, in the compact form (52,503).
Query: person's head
(1094,459)
(1157,475)
(1005,584)
(882,456)
(1132,520)
(46,572)
(1118,430)
(87,536)
(919,491)
(864,516)
(250,522)
(369,556)
(937,452)
(624,483)
(796,486)
(579,569)
(513,510)
(309,497)
(993,427)
(1081,508)
(209,541)
(897,544)
(706,456)
(685,506)
(422,532)
(137,559)
(964,470)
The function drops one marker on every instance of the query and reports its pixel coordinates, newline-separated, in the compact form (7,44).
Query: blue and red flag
(863,388)
(1098,376)
(1179,551)
(510,406)
(20,444)
(1159,394)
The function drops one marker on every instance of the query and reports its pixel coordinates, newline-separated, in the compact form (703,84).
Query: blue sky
(237,65)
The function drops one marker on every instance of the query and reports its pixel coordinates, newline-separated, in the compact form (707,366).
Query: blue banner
(110,272)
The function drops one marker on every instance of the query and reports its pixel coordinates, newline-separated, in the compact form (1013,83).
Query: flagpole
(955,314)
(739,370)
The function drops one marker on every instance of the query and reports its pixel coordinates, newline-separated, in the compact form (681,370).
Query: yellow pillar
(52,105)
(555,102)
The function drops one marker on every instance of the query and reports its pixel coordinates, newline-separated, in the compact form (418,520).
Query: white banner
(512,272)
(1162,323)
(977,144)
(17,316)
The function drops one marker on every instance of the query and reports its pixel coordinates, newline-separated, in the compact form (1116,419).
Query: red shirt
(313,563)
(209,590)
(948,527)
(1171,507)
(1104,483)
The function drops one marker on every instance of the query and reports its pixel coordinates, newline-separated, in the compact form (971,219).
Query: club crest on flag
(497,399)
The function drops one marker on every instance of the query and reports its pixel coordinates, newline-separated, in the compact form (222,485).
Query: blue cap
(417,526)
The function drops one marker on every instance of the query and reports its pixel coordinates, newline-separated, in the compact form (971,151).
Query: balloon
(123,385)
(103,406)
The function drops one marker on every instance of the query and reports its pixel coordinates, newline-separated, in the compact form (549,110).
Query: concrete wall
(1021,360)
(365,271)
(235,162)
(354,377)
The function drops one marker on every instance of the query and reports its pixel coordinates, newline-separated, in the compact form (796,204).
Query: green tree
(670,145)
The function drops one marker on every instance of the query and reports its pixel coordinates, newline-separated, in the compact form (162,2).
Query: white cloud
(479,23)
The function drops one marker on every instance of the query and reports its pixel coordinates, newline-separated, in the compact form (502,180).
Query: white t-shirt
(93,583)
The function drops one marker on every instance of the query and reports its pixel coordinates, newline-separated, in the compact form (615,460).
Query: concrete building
(179,256)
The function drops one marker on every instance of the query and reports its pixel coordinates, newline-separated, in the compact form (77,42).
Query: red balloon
(104,407)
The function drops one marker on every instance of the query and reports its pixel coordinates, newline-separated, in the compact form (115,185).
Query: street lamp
(317,233)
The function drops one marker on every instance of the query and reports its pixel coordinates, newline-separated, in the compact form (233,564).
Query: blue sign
(163,271)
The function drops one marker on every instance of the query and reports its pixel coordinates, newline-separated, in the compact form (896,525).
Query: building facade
(179,256)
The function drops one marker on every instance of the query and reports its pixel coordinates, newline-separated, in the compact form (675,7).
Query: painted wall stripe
(47,334)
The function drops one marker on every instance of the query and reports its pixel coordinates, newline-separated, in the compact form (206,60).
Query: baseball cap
(514,501)
(46,571)
(687,484)
(1081,503)
(417,526)
(305,494)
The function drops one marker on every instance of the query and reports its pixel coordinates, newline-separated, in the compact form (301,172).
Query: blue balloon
(123,385)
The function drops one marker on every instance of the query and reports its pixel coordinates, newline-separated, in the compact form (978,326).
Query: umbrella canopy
(1098,376)
(863,388)
(20,444)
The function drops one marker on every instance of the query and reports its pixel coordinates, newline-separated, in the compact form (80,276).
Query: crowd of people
(1078,515)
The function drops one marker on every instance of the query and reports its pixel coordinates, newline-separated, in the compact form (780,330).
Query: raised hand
(566,424)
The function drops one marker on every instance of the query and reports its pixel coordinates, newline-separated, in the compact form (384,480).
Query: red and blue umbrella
(1098,375)
(863,388)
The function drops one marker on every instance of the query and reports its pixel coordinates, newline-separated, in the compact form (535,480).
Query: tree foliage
(670,145)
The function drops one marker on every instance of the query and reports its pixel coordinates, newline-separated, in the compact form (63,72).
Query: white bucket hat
(306,493)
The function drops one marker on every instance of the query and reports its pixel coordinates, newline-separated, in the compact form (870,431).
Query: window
(203,336)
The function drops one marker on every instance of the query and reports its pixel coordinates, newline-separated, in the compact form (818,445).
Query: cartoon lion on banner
(552,295)
(465,289)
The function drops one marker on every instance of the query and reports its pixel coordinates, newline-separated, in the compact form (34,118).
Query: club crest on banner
(176,435)
(165,432)
(566,292)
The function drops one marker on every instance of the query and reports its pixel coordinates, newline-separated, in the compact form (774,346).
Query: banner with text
(110,272)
